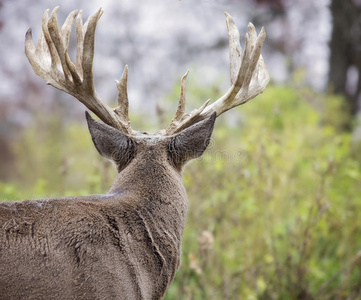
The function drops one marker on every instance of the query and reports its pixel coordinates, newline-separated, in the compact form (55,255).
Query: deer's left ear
(191,142)
(111,143)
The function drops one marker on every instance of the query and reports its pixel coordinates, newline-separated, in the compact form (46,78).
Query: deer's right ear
(111,143)
(191,142)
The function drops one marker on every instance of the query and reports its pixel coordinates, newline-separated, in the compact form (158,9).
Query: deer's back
(84,248)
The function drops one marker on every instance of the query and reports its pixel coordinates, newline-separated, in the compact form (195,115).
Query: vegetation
(274,202)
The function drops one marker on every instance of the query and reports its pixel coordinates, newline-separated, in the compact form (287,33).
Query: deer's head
(188,134)
(174,150)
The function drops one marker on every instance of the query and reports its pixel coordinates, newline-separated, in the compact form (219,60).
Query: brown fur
(125,244)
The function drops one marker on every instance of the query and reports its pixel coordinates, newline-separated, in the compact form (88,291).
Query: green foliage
(55,158)
(274,202)
(278,195)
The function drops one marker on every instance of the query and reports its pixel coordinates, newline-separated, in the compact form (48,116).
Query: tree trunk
(345,48)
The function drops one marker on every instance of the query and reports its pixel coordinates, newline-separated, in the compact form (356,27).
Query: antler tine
(50,60)
(248,74)
(47,37)
(67,26)
(122,110)
(79,43)
(235,49)
(182,98)
(181,106)
(88,48)
(57,39)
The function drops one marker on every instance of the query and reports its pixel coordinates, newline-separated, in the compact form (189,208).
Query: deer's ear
(191,142)
(111,143)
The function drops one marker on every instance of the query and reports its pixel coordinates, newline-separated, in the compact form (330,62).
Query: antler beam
(50,60)
(248,73)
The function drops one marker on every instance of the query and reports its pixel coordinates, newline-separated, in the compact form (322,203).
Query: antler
(249,77)
(50,60)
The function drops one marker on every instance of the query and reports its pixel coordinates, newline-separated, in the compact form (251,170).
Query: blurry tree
(276,6)
(5,151)
(345,47)
(1,22)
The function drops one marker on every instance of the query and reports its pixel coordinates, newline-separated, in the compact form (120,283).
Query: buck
(125,244)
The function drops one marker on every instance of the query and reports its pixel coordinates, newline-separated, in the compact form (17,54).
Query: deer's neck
(155,187)
(152,185)
(156,203)
(152,179)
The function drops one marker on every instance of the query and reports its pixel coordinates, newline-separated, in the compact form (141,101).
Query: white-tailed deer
(125,244)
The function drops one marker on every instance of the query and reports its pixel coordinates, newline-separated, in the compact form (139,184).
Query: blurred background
(275,200)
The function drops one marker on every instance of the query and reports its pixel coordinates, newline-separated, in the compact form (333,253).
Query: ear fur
(111,143)
(191,142)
